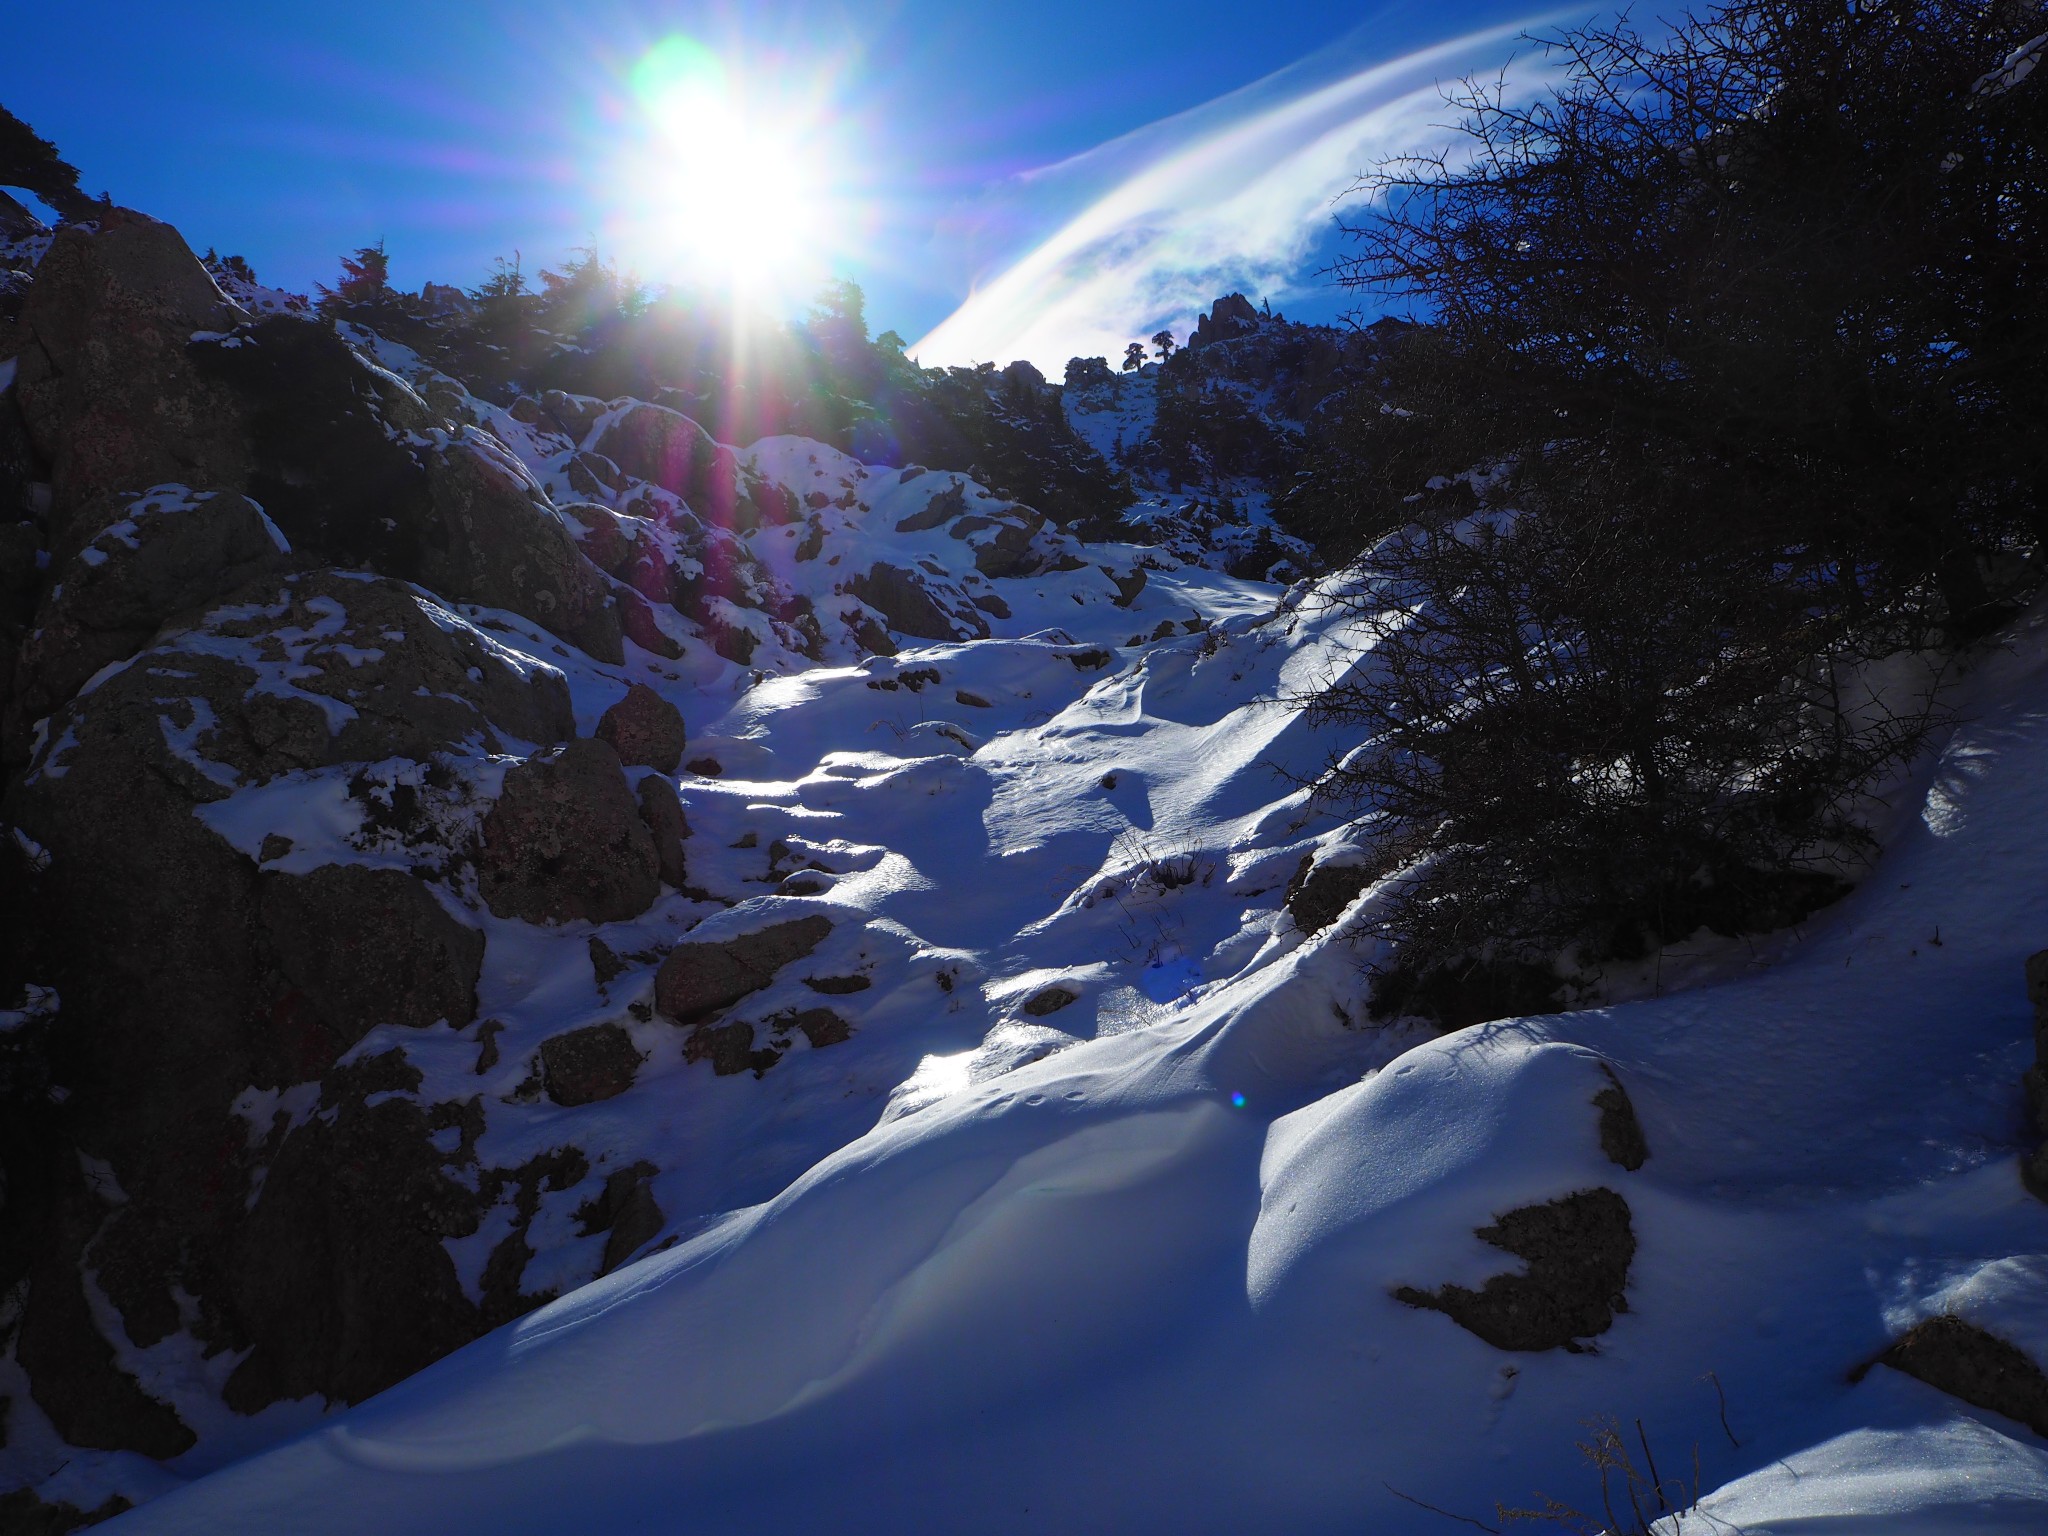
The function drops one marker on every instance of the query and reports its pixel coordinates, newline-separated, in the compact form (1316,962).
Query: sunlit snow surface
(1126,1267)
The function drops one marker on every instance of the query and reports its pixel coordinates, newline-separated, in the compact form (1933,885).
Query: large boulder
(156,554)
(644,729)
(627,1213)
(565,842)
(668,449)
(493,539)
(699,979)
(907,606)
(583,1066)
(74,1374)
(1977,1366)
(111,399)
(662,809)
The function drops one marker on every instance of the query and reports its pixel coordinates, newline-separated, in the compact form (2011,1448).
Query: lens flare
(728,176)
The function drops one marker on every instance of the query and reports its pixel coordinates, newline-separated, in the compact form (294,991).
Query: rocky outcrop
(730,1049)
(155,554)
(137,371)
(1049,1000)
(494,540)
(699,979)
(1231,315)
(111,400)
(626,1212)
(1004,545)
(602,535)
(586,1065)
(356,468)
(313,1243)
(906,604)
(644,729)
(1578,1251)
(1978,1367)
(662,809)
(340,1279)
(73,1373)
(668,449)
(565,842)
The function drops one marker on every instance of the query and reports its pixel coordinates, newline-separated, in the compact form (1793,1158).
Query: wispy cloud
(1237,194)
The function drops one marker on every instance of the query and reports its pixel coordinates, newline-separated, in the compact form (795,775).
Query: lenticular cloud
(1237,194)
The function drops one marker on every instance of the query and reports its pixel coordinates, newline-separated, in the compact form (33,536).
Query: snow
(1127,1267)
(1928,1480)
(2013,68)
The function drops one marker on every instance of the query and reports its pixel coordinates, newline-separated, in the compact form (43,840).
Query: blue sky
(1106,157)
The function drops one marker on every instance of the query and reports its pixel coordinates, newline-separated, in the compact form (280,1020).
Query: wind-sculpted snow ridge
(1151,1260)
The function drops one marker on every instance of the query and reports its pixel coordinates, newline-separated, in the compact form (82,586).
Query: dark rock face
(586,1065)
(71,1367)
(565,842)
(327,448)
(355,467)
(371,946)
(340,1276)
(495,541)
(700,979)
(837,986)
(23,1514)
(1578,1249)
(940,510)
(662,809)
(228,980)
(1003,547)
(154,555)
(1982,1369)
(644,729)
(110,399)
(730,1049)
(602,536)
(626,1212)
(1621,1133)
(904,601)
(1231,315)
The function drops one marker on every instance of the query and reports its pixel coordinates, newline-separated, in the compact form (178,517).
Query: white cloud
(1237,194)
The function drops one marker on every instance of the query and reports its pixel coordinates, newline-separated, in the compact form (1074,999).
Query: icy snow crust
(1126,1266)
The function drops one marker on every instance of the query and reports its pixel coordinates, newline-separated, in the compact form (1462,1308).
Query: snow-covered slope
(1127,1265)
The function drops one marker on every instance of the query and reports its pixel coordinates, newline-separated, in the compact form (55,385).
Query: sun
(726,179)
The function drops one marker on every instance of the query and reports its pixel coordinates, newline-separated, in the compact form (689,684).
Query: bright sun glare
(727,180)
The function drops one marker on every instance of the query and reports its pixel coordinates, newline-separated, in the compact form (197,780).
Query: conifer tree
(30,161)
